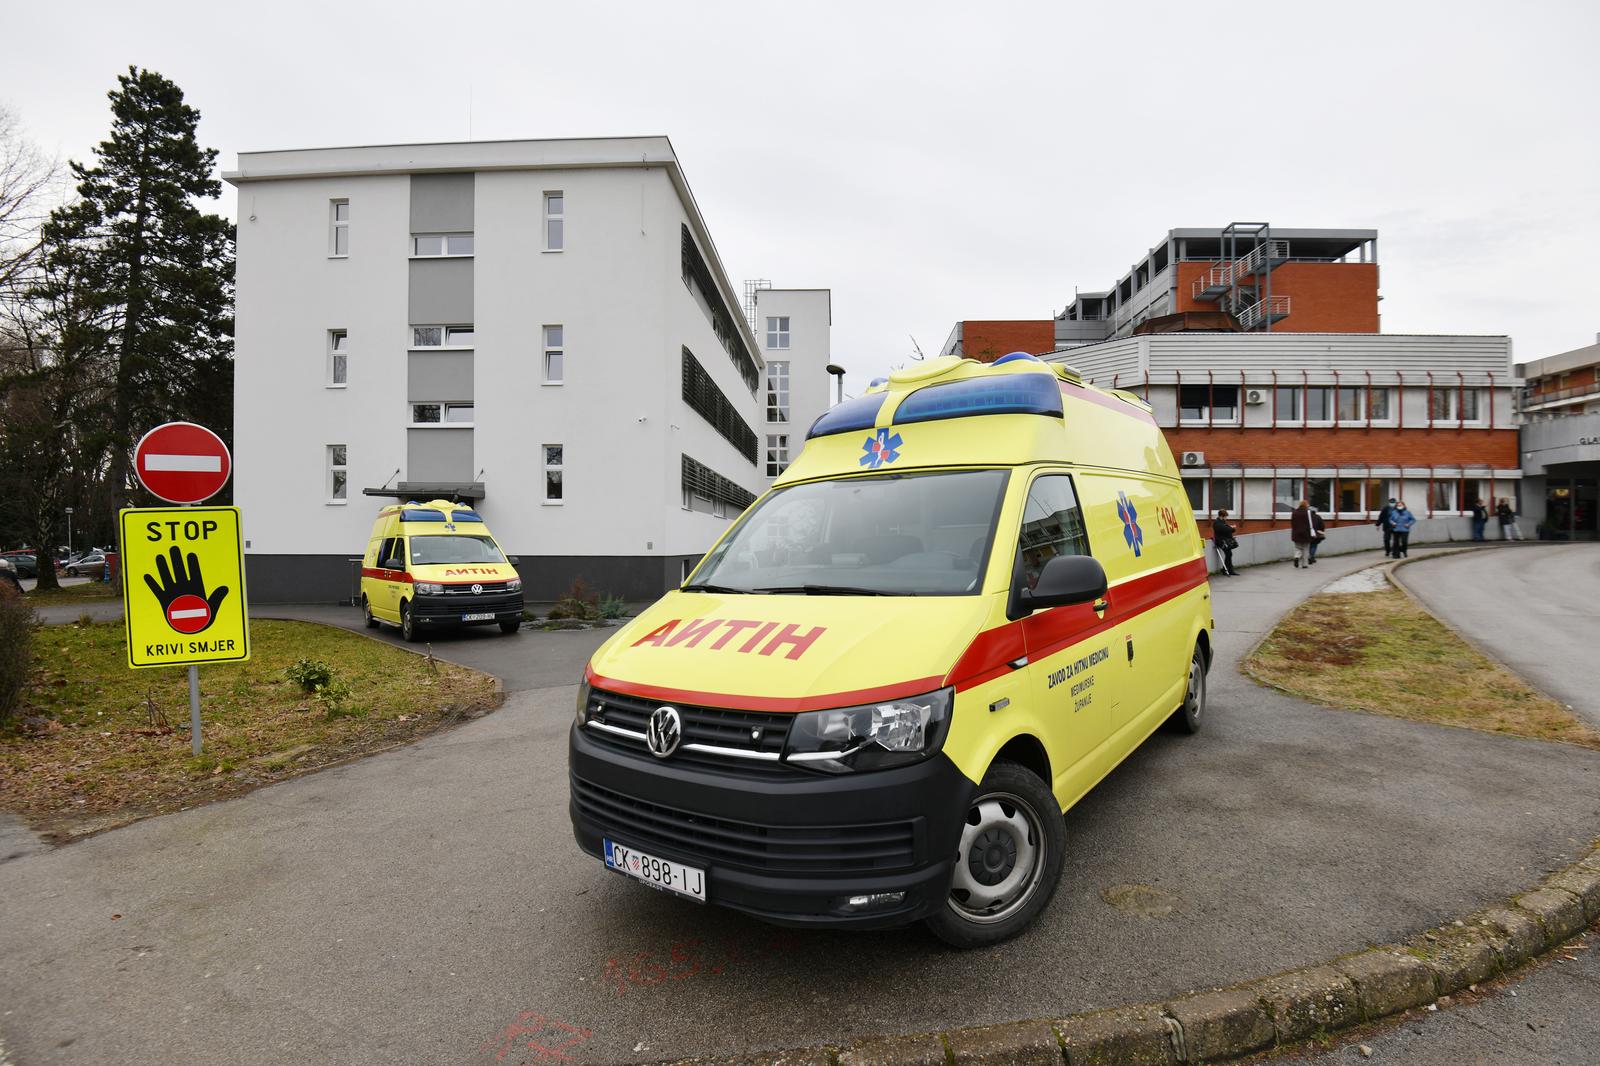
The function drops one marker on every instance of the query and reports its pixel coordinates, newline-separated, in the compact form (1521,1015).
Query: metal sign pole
(194,708)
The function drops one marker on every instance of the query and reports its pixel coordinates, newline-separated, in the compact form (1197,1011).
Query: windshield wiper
(702,587)
(823,590)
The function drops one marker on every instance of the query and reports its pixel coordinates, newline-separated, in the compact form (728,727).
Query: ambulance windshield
(896,535)
(453,548)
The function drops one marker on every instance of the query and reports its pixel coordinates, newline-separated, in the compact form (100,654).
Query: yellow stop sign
(183,586)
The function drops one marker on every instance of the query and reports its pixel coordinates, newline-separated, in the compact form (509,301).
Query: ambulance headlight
(871,736)
(514,584)
(429,588)
(583,700)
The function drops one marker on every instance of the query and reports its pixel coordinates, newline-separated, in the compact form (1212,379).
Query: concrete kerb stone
(1241,1020)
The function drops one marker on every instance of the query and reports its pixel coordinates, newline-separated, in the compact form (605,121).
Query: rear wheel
(408,628)
(366,612)
(1187,718)
(1013,843)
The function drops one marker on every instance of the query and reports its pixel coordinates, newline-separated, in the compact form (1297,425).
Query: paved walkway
(422,905)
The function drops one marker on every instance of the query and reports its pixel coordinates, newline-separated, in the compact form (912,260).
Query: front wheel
(1013,844)
(510,626)
(1186,719)
(408,628)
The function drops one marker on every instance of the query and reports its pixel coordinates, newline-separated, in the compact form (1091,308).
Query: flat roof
(565,153)
(1576,359)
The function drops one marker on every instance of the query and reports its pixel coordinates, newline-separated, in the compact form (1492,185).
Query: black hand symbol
(177,582)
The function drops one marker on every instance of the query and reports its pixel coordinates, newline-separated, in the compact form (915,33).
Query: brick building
(1260,352)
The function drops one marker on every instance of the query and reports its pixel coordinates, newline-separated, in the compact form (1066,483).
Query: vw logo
(664,732)
(477,590)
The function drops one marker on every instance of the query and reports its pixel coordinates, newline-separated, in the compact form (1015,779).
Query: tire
(1190,713)
(366,613)
(510,627)
(1013,819)
(408,628)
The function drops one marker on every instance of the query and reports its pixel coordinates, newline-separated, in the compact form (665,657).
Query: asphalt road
(428,905)
(1536,608)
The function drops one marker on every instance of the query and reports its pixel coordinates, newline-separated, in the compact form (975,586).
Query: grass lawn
(89,592)
(85,751)
(1381,652)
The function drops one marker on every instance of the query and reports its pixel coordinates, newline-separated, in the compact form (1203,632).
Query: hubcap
(1000,860)
(1194,698)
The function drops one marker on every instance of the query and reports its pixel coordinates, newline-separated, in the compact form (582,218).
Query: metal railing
(1213,283)
(1531,399)
(1273,307)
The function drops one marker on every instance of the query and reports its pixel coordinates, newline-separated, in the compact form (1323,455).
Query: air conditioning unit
(1194,458)
(1255,396)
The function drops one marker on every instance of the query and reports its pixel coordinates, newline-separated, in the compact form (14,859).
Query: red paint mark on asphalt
(686,958)
(547,1038)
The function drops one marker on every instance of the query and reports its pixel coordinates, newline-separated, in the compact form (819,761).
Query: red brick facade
(1349,446)
(987,341)
(1323,297)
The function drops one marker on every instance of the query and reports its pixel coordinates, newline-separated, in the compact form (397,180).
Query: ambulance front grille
(790,849)
(466,590)
(755,736)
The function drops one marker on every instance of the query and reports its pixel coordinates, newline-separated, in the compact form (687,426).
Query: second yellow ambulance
(435,565)
(974,593)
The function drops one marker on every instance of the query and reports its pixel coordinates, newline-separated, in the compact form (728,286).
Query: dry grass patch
(88,592)
(97,744)
(1381,652)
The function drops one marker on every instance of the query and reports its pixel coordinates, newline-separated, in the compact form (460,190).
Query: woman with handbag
(1222,538)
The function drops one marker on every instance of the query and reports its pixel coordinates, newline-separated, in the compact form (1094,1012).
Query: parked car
(26,564)
(8,576)
(92,564)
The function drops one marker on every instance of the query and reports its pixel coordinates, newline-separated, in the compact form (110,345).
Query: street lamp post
(69,532)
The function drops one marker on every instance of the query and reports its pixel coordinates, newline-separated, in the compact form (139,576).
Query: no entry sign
(181,462)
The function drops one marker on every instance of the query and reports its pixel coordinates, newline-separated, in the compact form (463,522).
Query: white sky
(931,161)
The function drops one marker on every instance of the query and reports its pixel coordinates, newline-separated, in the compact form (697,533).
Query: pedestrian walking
(1383,525)
(1319,532)
(1401,520)
(1480,518)
(1508,521)
(1222,538)
(1300,532)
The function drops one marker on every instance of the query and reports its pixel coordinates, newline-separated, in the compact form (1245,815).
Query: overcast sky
(932,162)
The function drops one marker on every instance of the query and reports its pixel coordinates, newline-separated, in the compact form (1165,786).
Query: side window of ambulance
(1052,525)
(386,555)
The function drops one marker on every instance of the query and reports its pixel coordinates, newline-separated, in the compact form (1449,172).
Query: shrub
(579,603)
(310,674)
(612,606)
(335,698)
(16,648)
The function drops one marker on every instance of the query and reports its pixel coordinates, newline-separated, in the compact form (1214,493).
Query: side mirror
(514,560)
(1065,580)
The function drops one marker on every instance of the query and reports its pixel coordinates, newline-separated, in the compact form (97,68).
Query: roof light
(1012,357)
(1003,394)
(859,413)
(421,514)
(464,514)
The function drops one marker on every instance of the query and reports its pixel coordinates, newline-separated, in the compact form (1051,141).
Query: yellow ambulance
(434,565)
(974,593)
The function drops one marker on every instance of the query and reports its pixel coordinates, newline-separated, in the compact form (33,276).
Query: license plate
(487,616)
(657,873)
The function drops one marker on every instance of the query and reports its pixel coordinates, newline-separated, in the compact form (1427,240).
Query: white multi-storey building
(541,327)
(793,328)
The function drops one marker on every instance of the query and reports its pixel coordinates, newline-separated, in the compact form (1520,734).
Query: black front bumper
(447,610)
(789,849)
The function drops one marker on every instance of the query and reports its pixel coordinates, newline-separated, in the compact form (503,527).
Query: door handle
(1101,605)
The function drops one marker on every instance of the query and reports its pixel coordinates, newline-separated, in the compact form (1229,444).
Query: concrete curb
(1273,1011)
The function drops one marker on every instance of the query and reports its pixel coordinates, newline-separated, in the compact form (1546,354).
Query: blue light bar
(859,413)
(461,514)
(1012,357)
(421,514)
(1003,394)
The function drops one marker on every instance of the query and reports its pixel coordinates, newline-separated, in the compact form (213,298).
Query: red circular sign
(188,613)
(182,463)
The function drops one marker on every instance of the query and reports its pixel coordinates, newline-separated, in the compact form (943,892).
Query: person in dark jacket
(1508,521)
(1300,532)
(1401,521)
(1319,530)
(1480,518)
(1388,530)
(1222,537)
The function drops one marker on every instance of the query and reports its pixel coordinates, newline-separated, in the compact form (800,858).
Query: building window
(338,358)
(778,391)
(1291,490)
(1442,496)
(554,458)
(554,356)
(777,453)
(1208,403)
(429,245)
(442,337)
(778,331)
(708,401)
(1298,403)
(555,218)
(1287,403)
(1211,494)
(1360,495)
(1353,403)
(339,228)
(337,473)
(1453,405)
(441,414)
